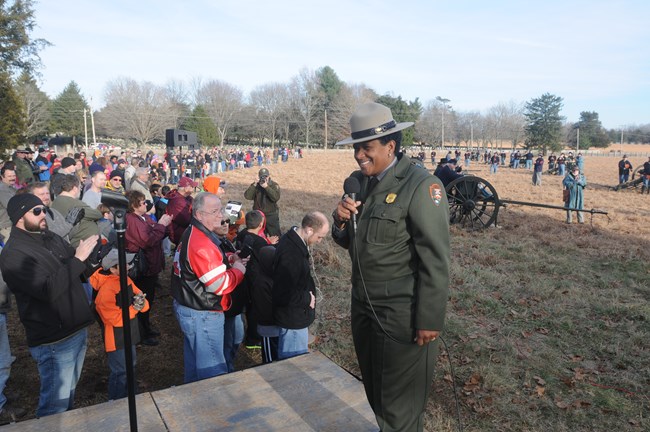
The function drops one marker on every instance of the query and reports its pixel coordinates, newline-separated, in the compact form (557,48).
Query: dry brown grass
(547,322)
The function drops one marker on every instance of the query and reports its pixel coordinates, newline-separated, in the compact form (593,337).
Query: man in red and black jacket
(202,283)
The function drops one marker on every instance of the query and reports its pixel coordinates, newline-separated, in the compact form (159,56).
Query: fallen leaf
(562,405)
(542,330)
(526,334)
(539,380)
(540,391)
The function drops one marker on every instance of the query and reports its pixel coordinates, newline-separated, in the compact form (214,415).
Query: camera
(114,200)
(263,179)
(245,251)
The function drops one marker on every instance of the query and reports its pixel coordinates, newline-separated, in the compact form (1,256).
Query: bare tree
(36,105)
(222,101)
(506,122)
(138,111)
(177,95)
(305,101)
(342,108)
(272,102)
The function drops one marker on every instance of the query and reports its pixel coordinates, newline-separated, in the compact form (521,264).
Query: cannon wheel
(638,172)
(473,202)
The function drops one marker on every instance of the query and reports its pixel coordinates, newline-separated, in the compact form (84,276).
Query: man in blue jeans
(42,270)
(294,289)
(203,279)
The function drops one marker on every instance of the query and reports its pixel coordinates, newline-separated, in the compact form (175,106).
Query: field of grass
(547,325)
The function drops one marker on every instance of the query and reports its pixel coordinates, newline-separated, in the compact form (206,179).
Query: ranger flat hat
(371,121)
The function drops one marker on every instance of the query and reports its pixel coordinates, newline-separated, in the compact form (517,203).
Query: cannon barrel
(550,206)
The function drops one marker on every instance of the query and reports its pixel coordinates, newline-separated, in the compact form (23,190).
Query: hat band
(374,131)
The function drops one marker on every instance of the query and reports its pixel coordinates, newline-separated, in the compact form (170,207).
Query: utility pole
(85,131)
(442,114)
(577,139)
(471,135)
(92,123)
(325,146)
(621,141)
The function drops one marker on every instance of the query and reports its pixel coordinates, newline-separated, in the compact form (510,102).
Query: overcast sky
(594,54)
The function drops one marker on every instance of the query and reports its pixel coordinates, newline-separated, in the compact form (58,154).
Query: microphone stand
(119,223)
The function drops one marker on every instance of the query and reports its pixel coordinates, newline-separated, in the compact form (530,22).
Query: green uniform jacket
(265,200)
(23,170)
(403,243)
(88,225)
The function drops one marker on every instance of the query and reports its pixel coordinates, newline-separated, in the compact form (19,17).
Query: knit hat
(20,204)
(186,181)
(112,259)
(94,168)
(67,162)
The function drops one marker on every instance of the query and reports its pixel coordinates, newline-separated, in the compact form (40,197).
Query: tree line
(311,109)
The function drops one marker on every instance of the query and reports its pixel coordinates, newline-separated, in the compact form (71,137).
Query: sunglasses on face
(117,179)
(38,210)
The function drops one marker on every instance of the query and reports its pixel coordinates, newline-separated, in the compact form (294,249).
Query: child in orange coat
(106,281)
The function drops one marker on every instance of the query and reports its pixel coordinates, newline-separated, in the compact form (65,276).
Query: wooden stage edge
(301,394)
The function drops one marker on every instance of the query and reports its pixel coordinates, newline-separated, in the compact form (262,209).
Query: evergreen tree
(403,111)
(201,123)
(330,85)
(18,52)
(544,123)
(592,133)
(68,111)
(12,118)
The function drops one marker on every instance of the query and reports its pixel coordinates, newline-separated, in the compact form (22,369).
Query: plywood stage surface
(305,393)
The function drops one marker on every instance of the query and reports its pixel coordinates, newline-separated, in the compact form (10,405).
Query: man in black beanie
(42,271)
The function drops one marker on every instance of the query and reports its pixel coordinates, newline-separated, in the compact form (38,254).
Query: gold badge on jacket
(436,193)
(390,198)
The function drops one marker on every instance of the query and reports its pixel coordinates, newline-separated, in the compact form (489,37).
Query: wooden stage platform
(305,393)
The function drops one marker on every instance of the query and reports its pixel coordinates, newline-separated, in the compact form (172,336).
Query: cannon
(474,203)
(634,182)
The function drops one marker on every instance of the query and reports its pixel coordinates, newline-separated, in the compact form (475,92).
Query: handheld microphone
(352,187)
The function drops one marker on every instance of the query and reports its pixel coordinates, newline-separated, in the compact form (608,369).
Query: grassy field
(547,324)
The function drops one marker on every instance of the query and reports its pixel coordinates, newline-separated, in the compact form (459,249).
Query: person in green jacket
(400,268)
(24,170)
(67,200)
(265,194)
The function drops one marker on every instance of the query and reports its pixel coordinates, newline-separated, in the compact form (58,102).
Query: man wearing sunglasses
(43,271)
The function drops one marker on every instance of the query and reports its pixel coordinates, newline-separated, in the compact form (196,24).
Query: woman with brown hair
(144,237)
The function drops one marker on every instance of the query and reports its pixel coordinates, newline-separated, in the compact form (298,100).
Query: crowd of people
(235,277)
(52,219)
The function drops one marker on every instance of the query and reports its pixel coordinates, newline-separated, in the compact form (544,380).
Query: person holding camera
(143,234)
(265,194)
(106,282)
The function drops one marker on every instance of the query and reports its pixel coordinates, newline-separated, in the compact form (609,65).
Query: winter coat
(179,207)
(265,200)
(87,226)
(575,185)
(143,233)
(44,276)
(107,306)
(292,283)
(6,192)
